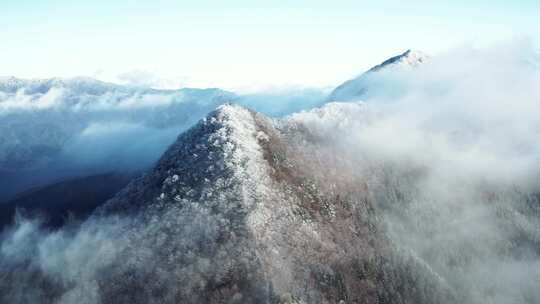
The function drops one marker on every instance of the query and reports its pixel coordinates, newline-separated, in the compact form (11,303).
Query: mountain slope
(356,88)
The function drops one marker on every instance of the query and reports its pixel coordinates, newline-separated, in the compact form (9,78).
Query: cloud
(144,78)
(477,106)
(23,101)
(450,154)
(61,128)
(118,145)
(280,101)
(153,255)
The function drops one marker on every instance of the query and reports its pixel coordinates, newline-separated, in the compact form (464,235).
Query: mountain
(243,208)
(356,88)
(240,209)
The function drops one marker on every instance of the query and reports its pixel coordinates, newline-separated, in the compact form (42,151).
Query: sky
(239,44)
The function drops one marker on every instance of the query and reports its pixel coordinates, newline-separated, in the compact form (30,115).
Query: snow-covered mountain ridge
(271,215)
(243,208)
(356,88)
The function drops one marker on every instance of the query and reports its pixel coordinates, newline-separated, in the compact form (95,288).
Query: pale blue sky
(238,43)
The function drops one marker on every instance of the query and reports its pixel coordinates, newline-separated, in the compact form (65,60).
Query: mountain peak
(219,146)
(231,110)
(245,192)
(411,58)
(356,88)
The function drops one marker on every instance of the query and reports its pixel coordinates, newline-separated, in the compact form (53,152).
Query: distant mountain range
(356,88)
